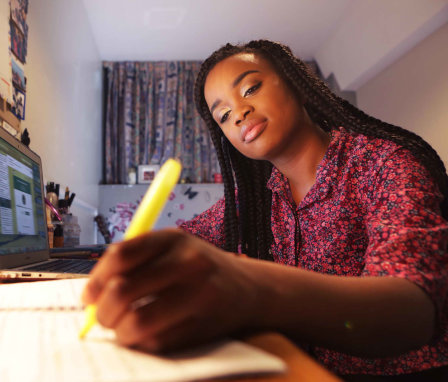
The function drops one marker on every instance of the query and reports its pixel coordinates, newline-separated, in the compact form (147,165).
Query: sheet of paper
(39,326)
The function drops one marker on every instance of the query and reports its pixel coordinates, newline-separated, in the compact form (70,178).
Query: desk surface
(301,367)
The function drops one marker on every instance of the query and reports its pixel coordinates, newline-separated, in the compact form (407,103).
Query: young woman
(340,219)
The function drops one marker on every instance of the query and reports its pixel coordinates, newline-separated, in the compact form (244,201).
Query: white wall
(373,34)
(413,92)
(63,107)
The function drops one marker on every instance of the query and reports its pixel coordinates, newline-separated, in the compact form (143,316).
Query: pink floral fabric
(373,211)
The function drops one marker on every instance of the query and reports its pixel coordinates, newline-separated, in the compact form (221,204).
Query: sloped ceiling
(353,39)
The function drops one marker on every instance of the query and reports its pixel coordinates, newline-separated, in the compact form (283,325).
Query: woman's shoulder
(358,142)
(371,159)
(371,151)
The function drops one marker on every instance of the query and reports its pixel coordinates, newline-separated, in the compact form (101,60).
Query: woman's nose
(242,114)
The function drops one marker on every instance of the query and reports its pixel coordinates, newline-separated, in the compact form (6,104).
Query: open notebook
(40,322)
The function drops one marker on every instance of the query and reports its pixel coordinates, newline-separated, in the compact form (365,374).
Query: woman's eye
(252,89)
(224,117)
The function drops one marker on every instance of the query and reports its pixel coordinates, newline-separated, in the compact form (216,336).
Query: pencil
(144,218)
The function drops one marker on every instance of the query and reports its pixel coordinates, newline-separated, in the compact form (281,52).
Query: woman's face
(253,106)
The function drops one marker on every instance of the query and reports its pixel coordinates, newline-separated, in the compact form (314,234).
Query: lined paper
(39,326)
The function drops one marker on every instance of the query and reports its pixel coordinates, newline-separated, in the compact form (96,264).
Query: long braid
(245,201)
(230,212)
(230,216)
(251,227)
(262,214)
(253,197)
(266,234)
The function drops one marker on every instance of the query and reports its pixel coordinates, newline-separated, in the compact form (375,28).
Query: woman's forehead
(225,71)
(240,61)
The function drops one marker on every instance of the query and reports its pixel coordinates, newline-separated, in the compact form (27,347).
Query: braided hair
(247,221)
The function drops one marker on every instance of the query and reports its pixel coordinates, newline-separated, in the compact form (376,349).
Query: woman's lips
(252,129)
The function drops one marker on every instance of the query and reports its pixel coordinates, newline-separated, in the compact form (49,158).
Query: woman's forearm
(364,316)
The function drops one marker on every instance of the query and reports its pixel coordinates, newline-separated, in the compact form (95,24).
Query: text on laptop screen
(22,219)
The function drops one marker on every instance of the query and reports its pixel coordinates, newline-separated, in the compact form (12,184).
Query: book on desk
(78,252)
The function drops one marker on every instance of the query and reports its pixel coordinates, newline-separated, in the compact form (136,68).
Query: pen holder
(72,230)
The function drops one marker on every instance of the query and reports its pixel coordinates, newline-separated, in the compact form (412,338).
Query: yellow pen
(145,217)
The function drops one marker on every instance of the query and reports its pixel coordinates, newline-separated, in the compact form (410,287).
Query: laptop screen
(22,220)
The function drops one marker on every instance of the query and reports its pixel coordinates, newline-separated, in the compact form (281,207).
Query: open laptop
(24,248)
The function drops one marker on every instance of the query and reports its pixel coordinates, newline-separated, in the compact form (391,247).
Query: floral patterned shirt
(373,211)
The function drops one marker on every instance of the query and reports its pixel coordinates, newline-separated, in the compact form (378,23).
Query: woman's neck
(299,166)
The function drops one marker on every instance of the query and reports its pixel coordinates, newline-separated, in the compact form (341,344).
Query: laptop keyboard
(64,266)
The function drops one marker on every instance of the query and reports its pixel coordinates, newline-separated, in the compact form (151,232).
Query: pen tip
(90,320)
(82,333)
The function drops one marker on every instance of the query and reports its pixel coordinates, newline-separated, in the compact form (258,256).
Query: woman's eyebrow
(235,83)
(242,75)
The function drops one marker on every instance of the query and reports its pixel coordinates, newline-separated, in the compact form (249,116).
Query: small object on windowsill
(147,173)
(217,178)
(102,226)
(25,138)
(132,176)
(185,180)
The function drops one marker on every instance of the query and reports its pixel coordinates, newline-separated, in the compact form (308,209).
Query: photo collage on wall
(19,38)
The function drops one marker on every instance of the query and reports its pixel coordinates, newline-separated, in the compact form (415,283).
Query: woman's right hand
(168,289)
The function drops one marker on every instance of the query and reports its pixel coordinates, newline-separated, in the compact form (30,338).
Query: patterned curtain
(150,116)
